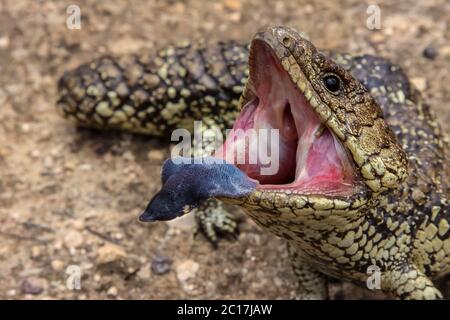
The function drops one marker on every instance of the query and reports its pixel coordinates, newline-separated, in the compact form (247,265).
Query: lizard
(363,178)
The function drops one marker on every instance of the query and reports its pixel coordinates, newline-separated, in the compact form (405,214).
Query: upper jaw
(355,118)
(311,159)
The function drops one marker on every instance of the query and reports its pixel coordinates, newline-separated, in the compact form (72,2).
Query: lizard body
(396,215)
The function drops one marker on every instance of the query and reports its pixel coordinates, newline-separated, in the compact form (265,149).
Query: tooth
(324,111)
(308,94)
(301,84)
(292,60)
(286,64)
(319,131)
(295,72)
(313,101)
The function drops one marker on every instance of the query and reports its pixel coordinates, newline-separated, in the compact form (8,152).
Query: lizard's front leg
(407,282)
(212,218)
(312,283)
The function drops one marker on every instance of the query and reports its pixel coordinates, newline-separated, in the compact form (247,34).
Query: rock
(144,272)
(11,292)
(235,16)
(430,52)
(73,239)
(118,236)
(420,83)
(57,265)
(126,45)
(110,253)
(78,224)
(155,155)
(187,270)
(85,167)
(233,5)
(278,282)
(112,291)
(377,37)
(35,154)
(35,252)
(129,156)
(161,265)
(445,50)
(4,42)
(33,285)
(179,8)
(25,127)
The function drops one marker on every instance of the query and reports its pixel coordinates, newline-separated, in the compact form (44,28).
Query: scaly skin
(157,93)
(397,220)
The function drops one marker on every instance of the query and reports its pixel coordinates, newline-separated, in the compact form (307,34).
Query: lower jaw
(292,176)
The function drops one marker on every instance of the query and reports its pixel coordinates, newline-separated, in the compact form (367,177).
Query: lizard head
(333,155)
(335,151)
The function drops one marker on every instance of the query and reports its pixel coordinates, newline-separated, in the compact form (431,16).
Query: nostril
(287,41)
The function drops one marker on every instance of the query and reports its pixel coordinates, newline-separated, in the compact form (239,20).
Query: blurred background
(69,198)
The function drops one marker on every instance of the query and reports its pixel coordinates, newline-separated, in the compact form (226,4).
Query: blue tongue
(186,183)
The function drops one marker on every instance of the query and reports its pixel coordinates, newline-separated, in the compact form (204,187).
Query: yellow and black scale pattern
(404,230)
(157,93)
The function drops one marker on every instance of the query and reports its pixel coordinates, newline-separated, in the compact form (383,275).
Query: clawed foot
(215,222)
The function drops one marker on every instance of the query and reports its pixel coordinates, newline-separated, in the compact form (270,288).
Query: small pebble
(445,50)
(85,167)
(57,265)
(128,156)
(112,291)
(187,270)
(35,154)
(377,37)
(430,52)
(35,252)
(33,285)
(110,253)
(26,127)
(4,42)
(233,5)
(161,265)
(155,155)
(11,292)
(420,83)
(144,272)
(73,239)
(78,224)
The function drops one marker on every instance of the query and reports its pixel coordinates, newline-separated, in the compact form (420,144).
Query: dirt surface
(71,196)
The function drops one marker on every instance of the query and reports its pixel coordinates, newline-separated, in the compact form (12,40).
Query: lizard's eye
(332,82)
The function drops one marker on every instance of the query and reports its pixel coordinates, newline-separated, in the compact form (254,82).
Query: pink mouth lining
(311,159)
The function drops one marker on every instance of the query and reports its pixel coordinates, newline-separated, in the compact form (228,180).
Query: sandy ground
(71,197)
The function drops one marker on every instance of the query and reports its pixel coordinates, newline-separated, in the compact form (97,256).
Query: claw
(214,222)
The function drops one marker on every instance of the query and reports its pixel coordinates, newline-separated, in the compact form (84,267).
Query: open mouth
(308,157)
